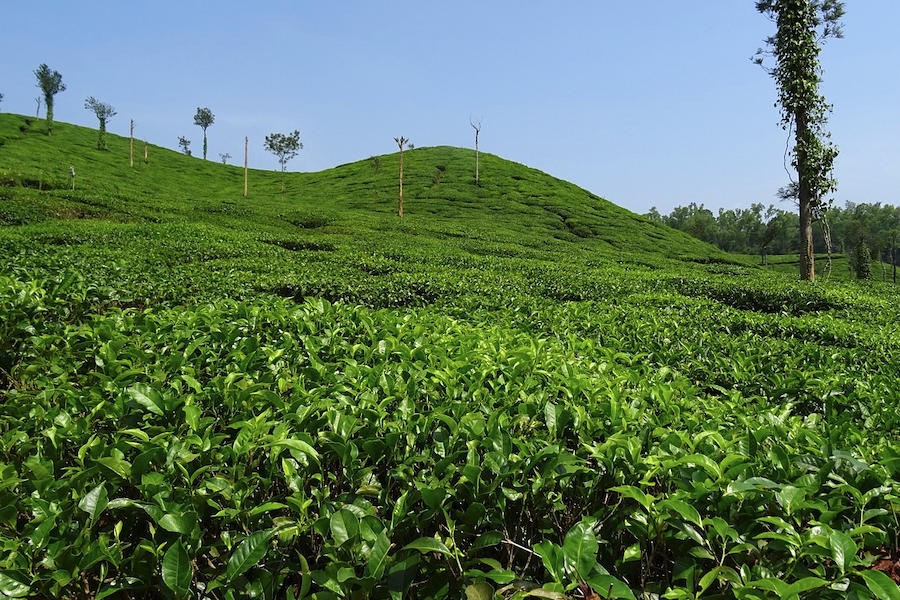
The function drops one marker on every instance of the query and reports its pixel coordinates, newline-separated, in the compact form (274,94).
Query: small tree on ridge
(185,145)
(204,118)
(104,112)
(285,147)
(51,84)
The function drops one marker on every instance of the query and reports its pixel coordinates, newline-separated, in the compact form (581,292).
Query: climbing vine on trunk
(802,26)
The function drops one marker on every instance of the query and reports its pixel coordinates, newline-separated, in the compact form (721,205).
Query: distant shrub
(863,262)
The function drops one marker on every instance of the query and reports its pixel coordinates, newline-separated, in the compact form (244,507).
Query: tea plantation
(517,390)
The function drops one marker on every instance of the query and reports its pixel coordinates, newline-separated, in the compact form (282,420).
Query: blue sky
(643,102)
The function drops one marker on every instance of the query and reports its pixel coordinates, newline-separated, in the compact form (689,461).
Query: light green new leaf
(426,545)
(177,572)
(881,585)
(248,553)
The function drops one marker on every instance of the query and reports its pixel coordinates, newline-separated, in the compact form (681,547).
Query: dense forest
(770,230)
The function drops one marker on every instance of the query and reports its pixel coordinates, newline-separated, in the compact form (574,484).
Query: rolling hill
(348,212)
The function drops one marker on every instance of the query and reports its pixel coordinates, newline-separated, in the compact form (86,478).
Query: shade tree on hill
(51,84)
(104,112)
(285,147)
(204,118)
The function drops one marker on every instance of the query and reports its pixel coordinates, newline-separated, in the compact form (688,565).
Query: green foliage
(802,26)
(104,112)
(185,145)
(863,261)
(51,84)
(203,119)
(285,147)
(204,396)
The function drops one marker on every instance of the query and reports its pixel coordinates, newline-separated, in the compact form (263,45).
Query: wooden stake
(131,146)
(245,165)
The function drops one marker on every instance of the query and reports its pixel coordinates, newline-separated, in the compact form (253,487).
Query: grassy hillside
(348,213)
(518,389)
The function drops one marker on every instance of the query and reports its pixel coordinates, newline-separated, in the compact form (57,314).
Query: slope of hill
(351,209)
(516,389)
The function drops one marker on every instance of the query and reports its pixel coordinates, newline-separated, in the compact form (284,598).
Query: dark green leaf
(177,572)
(248,553)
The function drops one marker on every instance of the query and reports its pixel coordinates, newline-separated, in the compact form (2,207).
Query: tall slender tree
(104,112)
(204,118)
(401,141)
(51,84)
(802,26)
(477,128)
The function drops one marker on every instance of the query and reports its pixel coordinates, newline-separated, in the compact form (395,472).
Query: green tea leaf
(147,397)
(12,588)
(881,585)
(806,584)
(248,553)
(177,523)
(378,556)
(401,575)
(344,526)
(687,512)
(426,545)
(604,584)
(480,591)
(177,572)
(298,446)
(120,467)
(580,547)
(843,550)
(629,491)
(95,502)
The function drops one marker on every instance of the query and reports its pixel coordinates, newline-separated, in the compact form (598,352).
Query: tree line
(764,230)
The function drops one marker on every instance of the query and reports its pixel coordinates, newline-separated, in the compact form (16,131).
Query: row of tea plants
(619,435)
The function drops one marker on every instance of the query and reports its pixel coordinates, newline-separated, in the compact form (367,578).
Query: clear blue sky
(643,102)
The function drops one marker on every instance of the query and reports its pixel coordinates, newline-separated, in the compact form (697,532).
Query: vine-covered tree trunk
(802,26)
(806,200)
